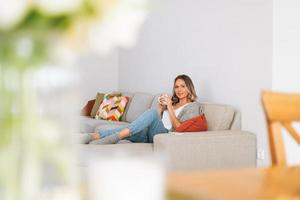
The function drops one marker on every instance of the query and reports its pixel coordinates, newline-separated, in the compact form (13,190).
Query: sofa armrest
(207,150)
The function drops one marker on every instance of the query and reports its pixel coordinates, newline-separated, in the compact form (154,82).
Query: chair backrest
(281,110)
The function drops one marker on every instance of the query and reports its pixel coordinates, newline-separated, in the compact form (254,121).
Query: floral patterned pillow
(112,107)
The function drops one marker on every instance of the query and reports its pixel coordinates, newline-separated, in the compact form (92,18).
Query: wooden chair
(281,110)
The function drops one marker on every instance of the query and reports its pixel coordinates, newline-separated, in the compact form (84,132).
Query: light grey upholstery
(130,95)
(139,104)
(219,117)
(223,146)
(236,122)
(88,124)
(155,101)
(208,150)
(110,126)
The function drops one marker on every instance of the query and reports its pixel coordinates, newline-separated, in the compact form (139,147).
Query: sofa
(223,146)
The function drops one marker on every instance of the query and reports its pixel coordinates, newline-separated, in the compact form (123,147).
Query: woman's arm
(161,105)
(175,122)
(160,108)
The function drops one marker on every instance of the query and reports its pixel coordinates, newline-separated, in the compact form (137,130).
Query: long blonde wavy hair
(190,87)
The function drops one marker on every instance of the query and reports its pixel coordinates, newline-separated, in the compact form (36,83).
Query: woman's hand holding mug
(162,99)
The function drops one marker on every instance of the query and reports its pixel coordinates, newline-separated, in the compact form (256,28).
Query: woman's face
(181,89)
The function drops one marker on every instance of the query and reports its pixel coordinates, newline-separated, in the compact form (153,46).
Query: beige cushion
(140,102)
(99,99)
(219,117)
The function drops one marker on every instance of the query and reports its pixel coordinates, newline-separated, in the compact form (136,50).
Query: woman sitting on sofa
(170,114)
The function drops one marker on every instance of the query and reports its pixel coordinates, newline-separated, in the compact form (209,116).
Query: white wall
(225,46)
(97,74)
(286,59)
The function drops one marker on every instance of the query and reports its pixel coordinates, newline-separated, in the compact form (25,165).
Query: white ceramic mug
(162,98)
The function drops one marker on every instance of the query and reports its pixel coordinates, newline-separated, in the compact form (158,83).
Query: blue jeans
(143,129)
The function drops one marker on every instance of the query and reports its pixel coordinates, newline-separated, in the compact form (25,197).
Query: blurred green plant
(31,31)
(29,28)
(27,43)
(35,32)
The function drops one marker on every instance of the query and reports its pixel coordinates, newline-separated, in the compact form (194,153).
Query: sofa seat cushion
(89,125)
(219,117)
(110,126)
(137,138)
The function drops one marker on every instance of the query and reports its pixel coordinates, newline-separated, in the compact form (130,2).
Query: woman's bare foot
(95,136)
(110,139)
(121,135)
(124,133)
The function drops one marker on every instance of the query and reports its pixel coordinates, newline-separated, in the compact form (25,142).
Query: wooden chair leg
(276,144)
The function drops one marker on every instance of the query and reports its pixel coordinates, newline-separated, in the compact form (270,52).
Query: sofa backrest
(219,117)
(138,104)
(155,101)
(130,95)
